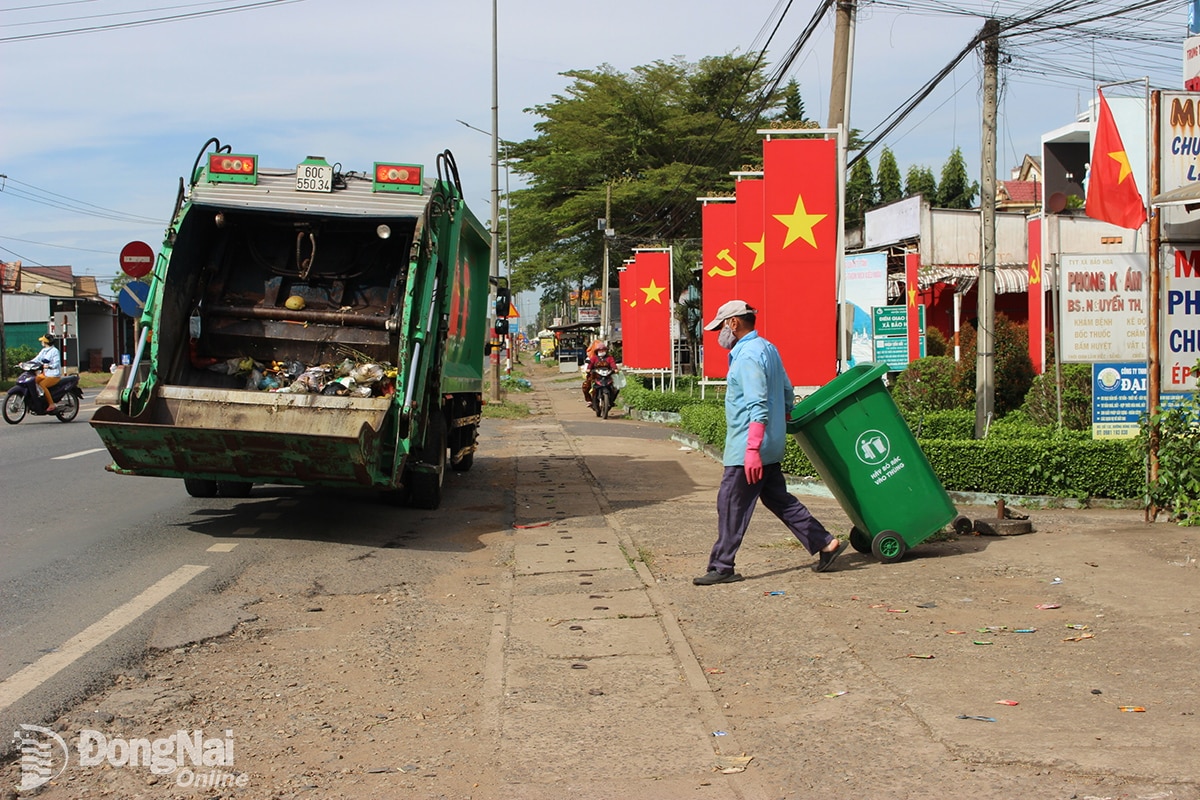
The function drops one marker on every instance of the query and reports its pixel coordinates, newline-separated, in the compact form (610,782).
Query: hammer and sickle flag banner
(719,279)
(1112,195)
(751,248)
(646,305)
(800,207)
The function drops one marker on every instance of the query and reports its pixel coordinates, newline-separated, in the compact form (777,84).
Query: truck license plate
(314,178)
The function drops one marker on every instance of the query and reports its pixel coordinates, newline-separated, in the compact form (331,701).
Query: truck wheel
(14,407)
(67,409)
(426,485)
(234,488)
(200,487)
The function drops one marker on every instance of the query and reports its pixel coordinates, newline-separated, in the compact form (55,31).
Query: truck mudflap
(259,437)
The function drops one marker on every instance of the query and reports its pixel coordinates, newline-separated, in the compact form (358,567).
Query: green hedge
(637,395)
(1019,457)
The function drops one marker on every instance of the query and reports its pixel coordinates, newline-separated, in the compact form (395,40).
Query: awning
(1009,279)
(1183,196)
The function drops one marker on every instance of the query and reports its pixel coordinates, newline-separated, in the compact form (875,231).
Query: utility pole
(495,261)
(843,44)
(605,318)
(985,358)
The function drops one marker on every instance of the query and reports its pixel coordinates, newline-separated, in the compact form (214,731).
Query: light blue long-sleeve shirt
(757,390)
(50,354)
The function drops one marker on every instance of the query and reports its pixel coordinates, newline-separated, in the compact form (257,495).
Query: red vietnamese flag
(629,319)
(719,278)
(800,200)
(748,233)
(1112,194)
(650,304)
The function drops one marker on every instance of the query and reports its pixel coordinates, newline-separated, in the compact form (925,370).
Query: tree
(860,192)
(660,135)
(793,104)
(888,179)
(920,180)
(955,190)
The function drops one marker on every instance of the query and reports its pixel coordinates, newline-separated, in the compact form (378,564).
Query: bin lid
(832,393)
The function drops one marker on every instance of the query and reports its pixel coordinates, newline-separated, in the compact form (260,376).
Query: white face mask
(726,338)
(602,353)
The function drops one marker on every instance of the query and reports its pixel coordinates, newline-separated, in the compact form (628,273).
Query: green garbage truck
(310,326)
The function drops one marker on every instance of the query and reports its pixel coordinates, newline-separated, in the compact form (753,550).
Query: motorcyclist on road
(51,374)
(599,356)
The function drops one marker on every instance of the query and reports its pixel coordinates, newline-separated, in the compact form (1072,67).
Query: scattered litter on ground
(1007,703)
(728,765)
(981,719)
(1056,582)
(837,694)
(1047,606)
(1080,637)
(775,594)
(897,610)
(977,641)
(720,733)
(1025,630)
(715,671)
(1131,708)
(955,632)
(926,605)
(919,655)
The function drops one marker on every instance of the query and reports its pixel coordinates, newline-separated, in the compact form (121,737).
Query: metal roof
(276,191)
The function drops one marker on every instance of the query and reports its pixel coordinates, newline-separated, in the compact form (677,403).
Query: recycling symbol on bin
(872,447)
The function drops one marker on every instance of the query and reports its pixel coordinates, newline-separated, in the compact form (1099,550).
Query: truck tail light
(398,178)
(231,168)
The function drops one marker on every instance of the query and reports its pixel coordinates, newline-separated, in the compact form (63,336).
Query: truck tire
(234,488)
(200,487)
(426,486)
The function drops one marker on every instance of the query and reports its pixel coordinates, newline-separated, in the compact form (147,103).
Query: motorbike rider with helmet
(598,355)
(51,374)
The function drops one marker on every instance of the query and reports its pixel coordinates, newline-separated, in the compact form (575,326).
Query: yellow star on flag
(800,223)
(912,297)
(654,292)
(1122,158)
(759,249)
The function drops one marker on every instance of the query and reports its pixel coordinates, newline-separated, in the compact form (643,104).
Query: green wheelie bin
(854,435)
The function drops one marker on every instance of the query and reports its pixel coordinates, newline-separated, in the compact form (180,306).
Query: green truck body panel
(396,278)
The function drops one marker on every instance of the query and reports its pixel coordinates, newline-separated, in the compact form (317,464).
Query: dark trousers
(736,500)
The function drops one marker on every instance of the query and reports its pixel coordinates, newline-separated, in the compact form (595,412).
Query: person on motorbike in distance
(51,374)
(598,356)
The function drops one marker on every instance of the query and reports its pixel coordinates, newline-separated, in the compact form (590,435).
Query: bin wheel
(889,546)
(860,541)
(963,525)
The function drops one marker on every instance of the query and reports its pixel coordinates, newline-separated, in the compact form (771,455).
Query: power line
(149,21)
(64,203)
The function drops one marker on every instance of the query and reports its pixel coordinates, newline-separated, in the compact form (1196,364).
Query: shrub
(637,395)
(1177,485)
(957,423)
(927,385)
(707,422)
(1013,369)
(1059,466)
(936,344)
(15,355)
(1041,403)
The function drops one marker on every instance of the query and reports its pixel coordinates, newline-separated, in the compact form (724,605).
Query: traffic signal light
(502,326)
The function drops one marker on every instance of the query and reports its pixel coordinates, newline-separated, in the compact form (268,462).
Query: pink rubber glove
(754,465)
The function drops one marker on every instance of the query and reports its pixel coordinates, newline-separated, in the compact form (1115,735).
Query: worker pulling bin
(854,435)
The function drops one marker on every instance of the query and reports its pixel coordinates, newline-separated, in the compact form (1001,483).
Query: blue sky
(111,120)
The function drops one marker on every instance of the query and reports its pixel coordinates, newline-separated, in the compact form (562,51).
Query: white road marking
(80,453)
(26,680)
(222,547)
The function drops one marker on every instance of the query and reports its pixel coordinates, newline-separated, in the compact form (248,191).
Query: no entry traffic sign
(137,259)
